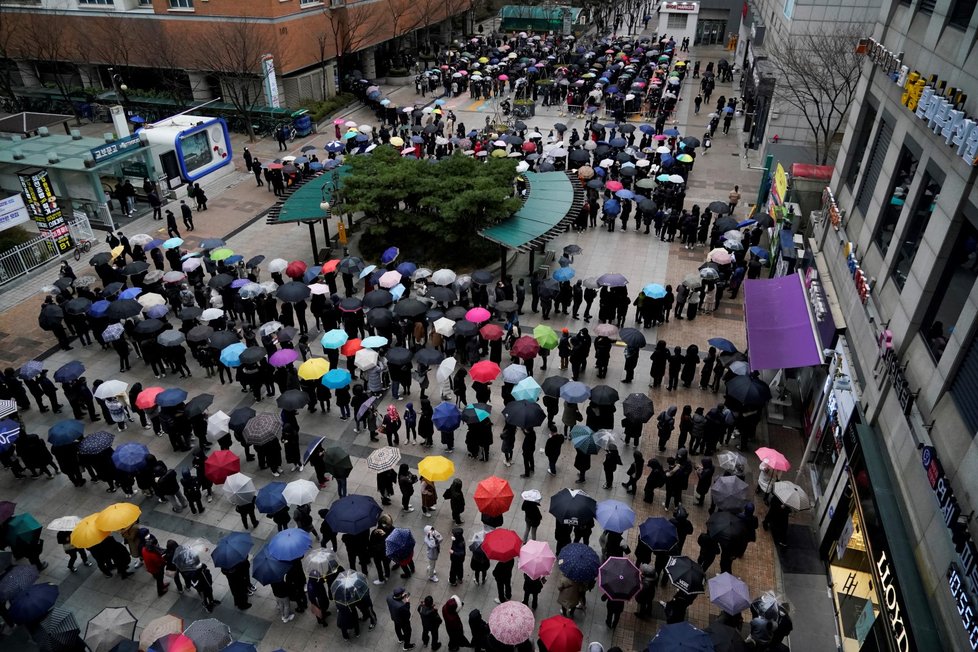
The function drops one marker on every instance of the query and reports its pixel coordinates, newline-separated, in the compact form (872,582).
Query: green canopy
(549,201)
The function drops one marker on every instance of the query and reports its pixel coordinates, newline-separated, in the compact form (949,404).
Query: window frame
(955,20)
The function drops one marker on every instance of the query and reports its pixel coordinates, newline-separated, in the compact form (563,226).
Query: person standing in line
(503,574)
(430,622)
(432,542)
(532,515)
(399,606)
(456,498)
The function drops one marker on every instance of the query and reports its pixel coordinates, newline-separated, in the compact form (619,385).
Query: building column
(89,76)
(369,61)
(28,74)
(331,85)
(199,87)
(446,31)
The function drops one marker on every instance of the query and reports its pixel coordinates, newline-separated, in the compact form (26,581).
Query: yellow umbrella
(397,141)
(117,517)
(86,534)
(313,369)
(436,468)
(117,251)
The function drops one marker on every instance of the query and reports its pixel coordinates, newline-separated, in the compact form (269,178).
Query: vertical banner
(271,84)
(43,208)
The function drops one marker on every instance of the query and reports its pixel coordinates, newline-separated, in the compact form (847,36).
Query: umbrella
(69,372)
(604,395)
(58,630)
(334,339)
(571,506)
(109,627)
(337,460)
(583,439)
(313,369)
(16,580)
(300,492)
(269,498)
(501,544)
(117,517)
(512,622)
(686,574)
(173,643)
(525,347)
(729,493)
(725,638)
(377,299)
(493,496)
(619,578)
(484,371)
(22,529)
(726,528)
(398,355)
(792,495)
(123,309)
(772,458)
(321,561)
(560,634)
(266,569)
(612,280)
(478,315)
(353,514)
(514,373)
(429,356)
(760,252)
(262,428)
(524,414)
(536,559)
(283,357)
(615,516)
(638,407)
(731,461)
(33,603)
(86,534)
(722,344)
(366,406)
(553,384)
(9,433)
(526,390)
(366,359)
(209,635)
(198,405)
(221,464)
(573,391)
(349,587)
(578,562)
(96,442)
(399,544)
(293,291)
(729,593)
(658,534)
(337,378)
(158,628)
(62,524)
(436,468)
(171,397)
(239,489)
(681,636)
(446,416)
(292,399)
(632,337)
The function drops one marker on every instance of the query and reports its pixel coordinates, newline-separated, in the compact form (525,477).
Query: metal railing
(25,257)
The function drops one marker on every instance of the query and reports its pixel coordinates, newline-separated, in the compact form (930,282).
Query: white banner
(271,84)
(12,212)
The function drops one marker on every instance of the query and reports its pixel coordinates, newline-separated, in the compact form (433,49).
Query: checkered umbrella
(262,428)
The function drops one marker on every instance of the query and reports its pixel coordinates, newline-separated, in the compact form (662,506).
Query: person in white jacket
(432,542)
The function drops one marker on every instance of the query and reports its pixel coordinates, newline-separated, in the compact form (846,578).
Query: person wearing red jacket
(155,564)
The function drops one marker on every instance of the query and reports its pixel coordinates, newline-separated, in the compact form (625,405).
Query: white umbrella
(443,277)
(300,492)
(420,273)
(111,388)
(733,235)
(64,524)
(792,495)
(531,495)
(211,313)
(366,359)
(270,327)
(140,239)
(662,150)
(218,425)
(151,299)
(444,326)
(446,369)
(319,288)
(239,489)
(514,373)
(191,264)
(278,265)
(676,178)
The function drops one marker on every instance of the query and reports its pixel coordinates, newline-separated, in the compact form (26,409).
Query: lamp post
(120,88)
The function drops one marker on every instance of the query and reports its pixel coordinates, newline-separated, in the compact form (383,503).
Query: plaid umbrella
(262,428)
(109,627)
(512,622)
(209,635)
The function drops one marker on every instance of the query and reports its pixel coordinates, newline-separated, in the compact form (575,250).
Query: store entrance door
(710,32)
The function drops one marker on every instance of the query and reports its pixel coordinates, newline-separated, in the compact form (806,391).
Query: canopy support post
(502,261)
(326,234)
(315,244)
(532,255)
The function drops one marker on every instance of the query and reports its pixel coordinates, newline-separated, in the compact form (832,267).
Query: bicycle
(83,246)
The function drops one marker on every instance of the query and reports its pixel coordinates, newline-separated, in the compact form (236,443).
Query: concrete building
(894,450)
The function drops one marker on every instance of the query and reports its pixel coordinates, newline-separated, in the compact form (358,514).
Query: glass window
(919,219)
(961,12)
(900,185)
(926,6)
(95,2)
(951,293)
(181,4)
(860,143)
(789,8)
(677,21)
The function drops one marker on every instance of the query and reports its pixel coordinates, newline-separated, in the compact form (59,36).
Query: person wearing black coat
(602,355)
(675,367)
(430,622)
(400,611)
(479,563)
(35,455)
(479,631)
(582,462)
(660,360)
(457,557)
(612,460)
(690,360)
(109,554)
(318,594)
(707,369)
(296,580)
(272,451)
(202,580)
(503,574)
(67,457)
(533,518)
(281,518)
(239,583)
(347,619)
(247,512)
(290,440)
(531,590)
(191,490)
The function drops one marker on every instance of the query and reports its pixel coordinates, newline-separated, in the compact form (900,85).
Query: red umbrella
(613,186)
(502,545)
(351,347)
(221,464)
(493,496)
(529,147)
(560,634)
(525,347)
(296,269)
(484,371)
(330,265)
(491,332)
(147,398)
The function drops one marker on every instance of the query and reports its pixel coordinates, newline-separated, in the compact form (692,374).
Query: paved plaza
(234,213)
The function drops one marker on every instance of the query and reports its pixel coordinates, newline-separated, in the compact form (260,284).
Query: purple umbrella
(283,357)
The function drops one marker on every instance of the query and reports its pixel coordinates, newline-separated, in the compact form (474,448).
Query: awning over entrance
(303,203)
(27,123)
(552,198)
(780,332)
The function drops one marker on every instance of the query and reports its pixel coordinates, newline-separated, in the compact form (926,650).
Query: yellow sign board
(780,183)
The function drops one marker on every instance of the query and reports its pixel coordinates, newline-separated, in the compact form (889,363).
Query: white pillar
(330,72)
(199,87)
(28,74)
(368,58)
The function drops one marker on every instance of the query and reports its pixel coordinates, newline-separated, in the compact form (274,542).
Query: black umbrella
(198,405)
(632,337)
(604,395)
(764,220)
(240,417)
(573,506)
(725,224)
(456,313)
(466,328)
(521,126)
(351,304)
(560,127)
(647,206)
(596,183)
(199,333)
(726,638)
(351,265)
(429,356)
(726,528)
(719,207)
(148,327)
(292,399)
(380,318)
(506,305)
(100,259)
(579,156)
(433,315)
(252,355)
(112,288)
(136,267)
(255,261)
(686,574)
(378,299)
(549,288)
(620,579)
(222,339)
(410,308)
(189,312)
(398,355)
(293,291)
(470,413)
(638,407)
(551,386)
(691,141)
(123,309)
(337,460)
(524,414)
(220,281)
(749,392)
(78,306)
(482,277)
(442,294)
(63,283)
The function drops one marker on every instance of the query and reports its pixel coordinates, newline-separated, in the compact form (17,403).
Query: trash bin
(302,122)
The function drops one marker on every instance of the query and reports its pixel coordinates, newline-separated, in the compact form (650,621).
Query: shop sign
(115,148)
(824,323)
(930,99)
(270,82)
(859,278)
(830,209)
(43,208)
(680,6)
(779,187)
(962,599)
(12,212)
(889,592)
(893,369)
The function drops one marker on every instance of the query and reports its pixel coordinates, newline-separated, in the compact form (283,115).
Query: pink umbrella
(660,137)
(536,559)
(503,77)
(613,186)
(512,623)
(283,357)
(389,279)
(773,458)
(478,315)
(720,256)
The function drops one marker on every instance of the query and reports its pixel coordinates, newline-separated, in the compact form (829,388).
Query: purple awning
(780,334)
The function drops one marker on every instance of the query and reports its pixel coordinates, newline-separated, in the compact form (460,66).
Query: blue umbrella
(671,132)
(315,166)
(398,291)
(617,142)
(760,252)
(157,312)
(527,390)
(722,344)
(575,392)
(612,207)
(313,445)
(584,440)
(681,636)
(399,544)
(241,646)
(231,355)
(564,274)
(172,243)
(266,569)
(9,433)
(130,293)
(615,516)
(578,562)
(334,339)
(390,255)
(30,369)
(70,372)
(658,534)
(33,603)
(130,457)
(65,432)
(171,397)
(334,147)
(407,269)
(625,193)
(96,442)
(152,244)
(654,291)
(612,280)
(312,273)
(233,260)
(727,109)
(374,342)
(646,129)
(337,378)
(353,514)
(741,225)
(446,417)
(232,550)
(269,499)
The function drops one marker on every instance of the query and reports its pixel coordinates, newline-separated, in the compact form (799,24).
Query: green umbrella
(23,528)
(545,336)
(337,461)
(221,254)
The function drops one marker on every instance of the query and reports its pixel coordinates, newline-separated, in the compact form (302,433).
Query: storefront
(679,20)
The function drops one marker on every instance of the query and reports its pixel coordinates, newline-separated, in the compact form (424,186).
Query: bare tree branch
(48,38)
(350,28)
